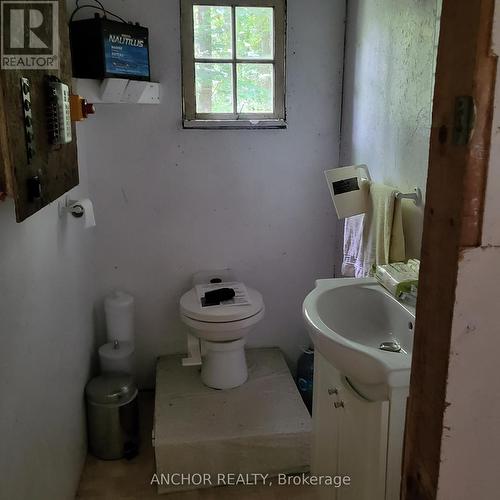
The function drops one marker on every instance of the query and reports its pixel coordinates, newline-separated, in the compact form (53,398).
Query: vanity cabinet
(350,436)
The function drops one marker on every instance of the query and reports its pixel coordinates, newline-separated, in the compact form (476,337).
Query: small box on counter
(399,277)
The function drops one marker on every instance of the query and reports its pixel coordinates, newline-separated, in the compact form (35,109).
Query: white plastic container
(119,311)
(117,357)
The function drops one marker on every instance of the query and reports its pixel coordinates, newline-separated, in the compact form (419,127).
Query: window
(233,63)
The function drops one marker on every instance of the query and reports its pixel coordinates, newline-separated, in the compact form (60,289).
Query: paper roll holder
(73,207)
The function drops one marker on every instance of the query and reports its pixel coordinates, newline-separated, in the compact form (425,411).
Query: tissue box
(398,277)
(349,188)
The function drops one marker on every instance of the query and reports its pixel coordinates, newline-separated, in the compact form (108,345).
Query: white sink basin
(348,319)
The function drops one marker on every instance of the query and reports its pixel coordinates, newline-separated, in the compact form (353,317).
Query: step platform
(261,427)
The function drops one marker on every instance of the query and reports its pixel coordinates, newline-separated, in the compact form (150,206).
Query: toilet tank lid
(191,307)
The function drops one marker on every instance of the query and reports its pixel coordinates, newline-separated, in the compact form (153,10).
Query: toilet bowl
(218,333)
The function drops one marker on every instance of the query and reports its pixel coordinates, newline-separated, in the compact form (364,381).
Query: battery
(101,48)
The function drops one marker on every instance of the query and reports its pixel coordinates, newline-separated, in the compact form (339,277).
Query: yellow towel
(382,239)
(383,231)
(397,250)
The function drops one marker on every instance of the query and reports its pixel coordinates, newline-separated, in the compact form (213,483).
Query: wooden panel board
(56,166)
(453,216)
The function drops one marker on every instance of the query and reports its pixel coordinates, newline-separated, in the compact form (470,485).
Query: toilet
(216,338)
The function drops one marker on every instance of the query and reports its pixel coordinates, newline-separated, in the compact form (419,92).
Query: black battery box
(101,48)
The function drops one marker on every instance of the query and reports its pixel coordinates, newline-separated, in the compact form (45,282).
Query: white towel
(375,237)
(352,264)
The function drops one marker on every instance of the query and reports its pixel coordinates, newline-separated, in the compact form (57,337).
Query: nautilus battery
(102,48)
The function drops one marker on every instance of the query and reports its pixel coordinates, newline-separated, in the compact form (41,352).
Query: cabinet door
(362,445)
(325,449)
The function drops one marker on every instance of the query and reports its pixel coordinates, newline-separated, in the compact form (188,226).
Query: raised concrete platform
(261,427)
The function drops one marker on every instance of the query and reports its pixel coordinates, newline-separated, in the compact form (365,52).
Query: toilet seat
(191,308)
(223,332)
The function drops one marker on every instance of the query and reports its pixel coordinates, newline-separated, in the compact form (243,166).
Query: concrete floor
(130,480)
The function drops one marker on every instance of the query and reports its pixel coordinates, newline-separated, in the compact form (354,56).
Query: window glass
(233,63)
(254,33)
(214,87)
(213,32)
(255,88)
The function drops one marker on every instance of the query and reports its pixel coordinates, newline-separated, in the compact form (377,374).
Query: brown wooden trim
(453,215)
(479,146)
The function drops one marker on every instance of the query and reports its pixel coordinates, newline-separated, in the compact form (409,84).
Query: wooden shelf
(117,91)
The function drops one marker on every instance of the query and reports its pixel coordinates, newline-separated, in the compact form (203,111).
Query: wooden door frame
(453,219)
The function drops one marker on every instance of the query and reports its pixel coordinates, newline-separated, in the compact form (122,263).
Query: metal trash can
(112,416)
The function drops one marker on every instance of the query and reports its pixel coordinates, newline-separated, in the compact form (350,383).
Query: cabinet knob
(332,391)
(338,404)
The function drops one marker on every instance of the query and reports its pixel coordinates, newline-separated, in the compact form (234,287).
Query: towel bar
(416,196)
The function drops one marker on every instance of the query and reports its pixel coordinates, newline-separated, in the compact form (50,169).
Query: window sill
(234,124)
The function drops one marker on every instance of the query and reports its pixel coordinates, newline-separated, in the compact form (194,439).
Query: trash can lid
(111,389)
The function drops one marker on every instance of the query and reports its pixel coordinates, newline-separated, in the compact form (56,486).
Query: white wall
(389,80)
(170,202)
(46,314)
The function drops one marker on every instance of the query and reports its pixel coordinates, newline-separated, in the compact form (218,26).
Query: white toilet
(217,333)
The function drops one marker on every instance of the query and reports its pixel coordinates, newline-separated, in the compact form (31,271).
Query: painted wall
(46,330)
(391,47)
(170,202)
(470,441)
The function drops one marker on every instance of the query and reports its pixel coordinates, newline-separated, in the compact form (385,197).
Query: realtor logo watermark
(30,35)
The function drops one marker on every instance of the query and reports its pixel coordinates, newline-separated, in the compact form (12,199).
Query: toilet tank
(224,275)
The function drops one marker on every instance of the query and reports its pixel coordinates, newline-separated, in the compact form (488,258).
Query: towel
(375,237)
(352,263)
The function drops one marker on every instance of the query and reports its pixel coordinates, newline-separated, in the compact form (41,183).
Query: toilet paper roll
(119,310)
(117,357)
(87,208)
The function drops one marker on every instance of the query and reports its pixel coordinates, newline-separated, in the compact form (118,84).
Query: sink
(364,332)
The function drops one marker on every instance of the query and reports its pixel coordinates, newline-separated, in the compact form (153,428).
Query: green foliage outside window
(213,41)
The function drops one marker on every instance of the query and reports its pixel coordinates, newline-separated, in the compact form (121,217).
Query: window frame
(192,119)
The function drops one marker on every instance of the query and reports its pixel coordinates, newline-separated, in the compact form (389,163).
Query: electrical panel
(59,112)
